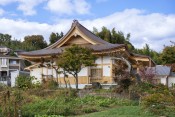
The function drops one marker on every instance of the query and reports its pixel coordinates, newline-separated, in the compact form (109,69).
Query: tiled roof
(95,48)
(42,52)
(90,34)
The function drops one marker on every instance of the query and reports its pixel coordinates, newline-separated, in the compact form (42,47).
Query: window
(13,62)
(96,73)
(4,62)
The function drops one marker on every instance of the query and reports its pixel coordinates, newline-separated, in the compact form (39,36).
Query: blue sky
(148,21)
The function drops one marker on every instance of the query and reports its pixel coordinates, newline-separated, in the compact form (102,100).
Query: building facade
(45,60)
(8,64)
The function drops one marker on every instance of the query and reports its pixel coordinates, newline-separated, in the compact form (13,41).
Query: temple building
(44,60)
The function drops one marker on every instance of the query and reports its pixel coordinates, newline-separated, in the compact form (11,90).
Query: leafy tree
(34,42)
(168,55)
(74,59)
(122,75)
(113,36)
(147,74)
(5,39)
(55,37)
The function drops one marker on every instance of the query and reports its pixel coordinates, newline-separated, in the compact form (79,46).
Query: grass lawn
(123,111)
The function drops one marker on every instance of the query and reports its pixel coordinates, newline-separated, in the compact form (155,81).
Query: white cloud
(1,11)
(68,6)
(5,2)
(81,6)
(21,28)
(27,6)
(154,29)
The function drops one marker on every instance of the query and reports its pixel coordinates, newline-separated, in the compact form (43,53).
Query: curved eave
(109,51)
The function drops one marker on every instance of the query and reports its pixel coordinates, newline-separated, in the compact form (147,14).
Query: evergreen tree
(55,37)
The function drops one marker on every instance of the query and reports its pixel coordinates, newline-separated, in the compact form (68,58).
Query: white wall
(83,72)
(163,80)
(98,60)
(36,72)
(106,70)
(171,80)
(106,59)
(14,75)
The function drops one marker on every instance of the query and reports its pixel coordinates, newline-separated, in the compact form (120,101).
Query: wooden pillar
(111,72)
(88,74)
(149,62)
(137,64)
(42,72)
(102,66)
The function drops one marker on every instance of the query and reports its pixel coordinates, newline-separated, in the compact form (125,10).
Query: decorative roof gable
(78,34)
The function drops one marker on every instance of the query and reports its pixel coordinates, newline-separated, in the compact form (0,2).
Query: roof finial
(75,22)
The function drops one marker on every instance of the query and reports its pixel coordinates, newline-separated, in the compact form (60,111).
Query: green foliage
(160,104)
(24,82)
(50,84)
(34,42)
(157,99)
(113,36)
(168,55)
(2,86)
(55,37)
(74,59)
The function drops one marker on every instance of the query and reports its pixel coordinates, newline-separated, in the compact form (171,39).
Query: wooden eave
(109,51)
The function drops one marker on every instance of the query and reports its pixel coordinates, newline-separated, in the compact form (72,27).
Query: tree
(147,74)
(5,39)
(74,59)
(34,42)
(121,73)
(55,37)
(113,36)
(168,55)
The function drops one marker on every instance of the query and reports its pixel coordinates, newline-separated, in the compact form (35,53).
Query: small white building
(164,75)
(9,64)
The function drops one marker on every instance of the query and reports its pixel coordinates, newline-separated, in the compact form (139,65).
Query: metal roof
(162,70)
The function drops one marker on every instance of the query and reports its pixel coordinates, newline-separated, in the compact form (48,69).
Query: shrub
(24,82)
(50,84)
(160,101)
(2,86)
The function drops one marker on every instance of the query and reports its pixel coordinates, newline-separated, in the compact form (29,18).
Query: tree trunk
(65,78)
(76,81)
